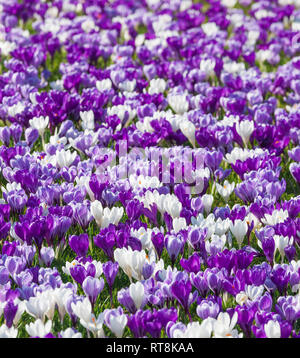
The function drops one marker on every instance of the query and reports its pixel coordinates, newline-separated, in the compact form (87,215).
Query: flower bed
(150,168)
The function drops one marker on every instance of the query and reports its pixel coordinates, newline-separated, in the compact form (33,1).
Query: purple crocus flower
(208,308)
(47,255)
(92,287)
(125,299)
(78,273)
(158,242)
(182,291)
(79,244)
(173,245)
(4,275)
(192,264)
(9,312)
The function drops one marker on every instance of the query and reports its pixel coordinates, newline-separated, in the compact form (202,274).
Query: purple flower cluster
(150,169)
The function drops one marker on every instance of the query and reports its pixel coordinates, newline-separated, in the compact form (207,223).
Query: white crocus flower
(179,224)
(131,261)
(226,189)
(6,332)
(142,182)
(178,103)
(68,265)
(137,293)
(70,333)
(242,154)
(83,310)
(39,123)
(88,122)
(64,158)
(97,211)
(195,330)
(272,329)
(210,28)
(88,25)
(277,216)
(38,328)
(55,139)
(223,326)
(245,129)
(281,242)
(229,3)
(222,226)
(172,206)
(7,47)
(157,85)
(104,85)
(239,229)
(111,216)
(127,86)
(207,201)
(188,129)
(48,296)
(116,322)
(37,307)
(208,66)
(61,297)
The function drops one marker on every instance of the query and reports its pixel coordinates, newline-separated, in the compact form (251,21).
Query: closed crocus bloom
(272,329)
(5,134)
(64,158)
(47,255)
(31,136)
(179,103)
(239,230)
(157,85)
(131,261)
(127,86)
(79,244)
(6,332)
(37,307)
(88,122)
(179,224)
(116,320)
(173,245)
(172,206)
(38,328)
(188,129)
(207,201)
(97,211)
(208,309)
(92,287)
(281,242)
(194,330)
(104,85)
(83,310)
(208,66)
(245,129)
(111,216)
(4,275)
(39,123)
(69,333)
(137,291)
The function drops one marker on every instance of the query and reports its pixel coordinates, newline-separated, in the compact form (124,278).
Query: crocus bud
(31,135)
